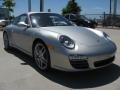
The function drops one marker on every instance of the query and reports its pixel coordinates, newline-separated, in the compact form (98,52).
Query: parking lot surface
(18,72)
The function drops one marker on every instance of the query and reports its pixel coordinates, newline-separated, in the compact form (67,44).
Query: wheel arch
(39,40)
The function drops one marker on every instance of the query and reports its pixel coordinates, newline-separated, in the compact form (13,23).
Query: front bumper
(92,62)
(73,60)
(63,62)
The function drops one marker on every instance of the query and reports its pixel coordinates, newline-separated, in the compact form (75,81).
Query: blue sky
(88,6)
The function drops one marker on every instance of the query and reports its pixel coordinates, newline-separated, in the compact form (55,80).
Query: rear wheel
(41,56)
(6,41)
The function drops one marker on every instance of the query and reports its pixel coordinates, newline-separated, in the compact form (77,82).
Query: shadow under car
(75,80)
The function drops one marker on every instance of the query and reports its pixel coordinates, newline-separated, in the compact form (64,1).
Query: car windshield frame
(48,20)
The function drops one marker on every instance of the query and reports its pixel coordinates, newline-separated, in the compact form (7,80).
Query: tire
(6,41)
(41,56)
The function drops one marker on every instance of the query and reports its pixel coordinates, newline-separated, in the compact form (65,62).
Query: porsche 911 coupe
(54,42)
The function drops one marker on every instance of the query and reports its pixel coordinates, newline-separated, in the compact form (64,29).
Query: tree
(9,4)
(71,7)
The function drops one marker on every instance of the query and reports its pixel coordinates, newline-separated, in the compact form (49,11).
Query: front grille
(104,62)
(79,64)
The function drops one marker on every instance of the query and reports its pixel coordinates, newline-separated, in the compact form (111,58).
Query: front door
(22,35)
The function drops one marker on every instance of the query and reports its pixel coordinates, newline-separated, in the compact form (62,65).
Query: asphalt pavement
(18,72)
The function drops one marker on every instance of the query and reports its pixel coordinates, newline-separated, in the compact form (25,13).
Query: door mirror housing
(23,24)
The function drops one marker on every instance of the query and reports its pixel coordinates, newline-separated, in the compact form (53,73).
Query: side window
(16,20)
(22,18)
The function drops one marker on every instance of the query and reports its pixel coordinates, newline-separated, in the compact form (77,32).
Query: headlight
(67,42)
(106,36)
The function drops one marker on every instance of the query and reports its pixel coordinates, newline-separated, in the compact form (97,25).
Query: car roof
(36,12)
(28,13)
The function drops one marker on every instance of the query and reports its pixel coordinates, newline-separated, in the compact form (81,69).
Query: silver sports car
(54,42)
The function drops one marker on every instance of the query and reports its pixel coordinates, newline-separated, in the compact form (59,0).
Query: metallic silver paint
(87,42)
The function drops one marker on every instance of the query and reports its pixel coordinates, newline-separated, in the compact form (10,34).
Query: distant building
(4,13)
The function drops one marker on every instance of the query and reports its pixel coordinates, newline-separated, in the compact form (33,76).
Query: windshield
(48,19)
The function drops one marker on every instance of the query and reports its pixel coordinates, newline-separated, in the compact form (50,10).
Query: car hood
(81,35)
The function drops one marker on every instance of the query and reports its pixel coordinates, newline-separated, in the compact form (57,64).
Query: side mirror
(23,24)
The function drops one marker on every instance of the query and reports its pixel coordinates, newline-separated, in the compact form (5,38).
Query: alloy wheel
(41,56)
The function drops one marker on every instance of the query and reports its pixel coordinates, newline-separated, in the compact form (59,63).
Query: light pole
(41,5)
(110,13)
(1,3)
(29,5)
(110,7)
(115,7)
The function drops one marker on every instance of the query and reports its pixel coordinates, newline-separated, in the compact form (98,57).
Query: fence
(105,19)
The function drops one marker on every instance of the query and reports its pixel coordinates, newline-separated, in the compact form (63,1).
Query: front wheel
(41,56)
